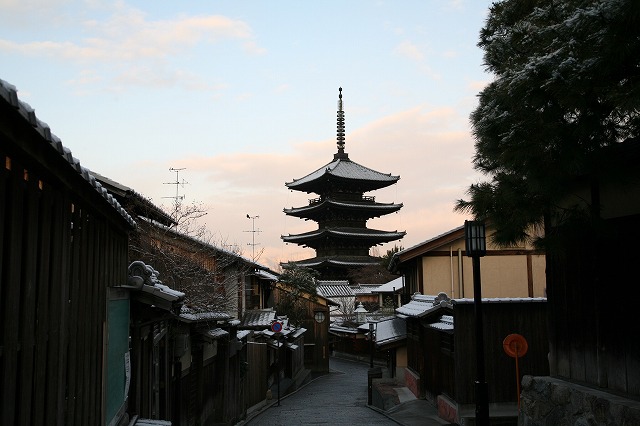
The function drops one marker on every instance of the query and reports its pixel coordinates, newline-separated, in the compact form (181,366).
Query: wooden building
(592,288)
(440,264)
(316,323)
(341,210)
(441,343)
(213,278)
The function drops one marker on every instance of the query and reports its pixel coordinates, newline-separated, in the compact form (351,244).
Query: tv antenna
(253,231)
(178,184)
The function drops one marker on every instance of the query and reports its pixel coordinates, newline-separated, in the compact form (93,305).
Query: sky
(241,97)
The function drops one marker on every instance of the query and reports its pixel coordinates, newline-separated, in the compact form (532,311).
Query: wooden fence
(256,377)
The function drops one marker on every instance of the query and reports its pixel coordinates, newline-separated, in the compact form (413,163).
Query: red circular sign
(276,326)
(515,345)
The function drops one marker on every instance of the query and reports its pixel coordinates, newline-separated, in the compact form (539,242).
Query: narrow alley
(339,398)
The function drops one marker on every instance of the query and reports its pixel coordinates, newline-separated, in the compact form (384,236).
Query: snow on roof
(346,169)
(241,334)
(216,333)
(390,331)
(418,305)
(363,205)
(332,282)
(151,422)
(9,94)
(364,288)
(299,332)
(164,292)
(258,318)
(343,232)
(338,329)
(501,300)
(445,323)
(338,261)
(334,289)
(393,285)
(422,304)
(266,275)
(189,315)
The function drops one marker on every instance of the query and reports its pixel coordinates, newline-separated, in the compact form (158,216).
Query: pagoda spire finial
(340,133)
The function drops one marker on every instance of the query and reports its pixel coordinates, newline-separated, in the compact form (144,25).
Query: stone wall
(546,401)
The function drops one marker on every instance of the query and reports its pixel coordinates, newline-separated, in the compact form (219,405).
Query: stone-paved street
(339,398)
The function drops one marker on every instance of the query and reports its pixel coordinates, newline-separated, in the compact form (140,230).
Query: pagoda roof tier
(345,174)
(365,208)
(362,234)
(337,261)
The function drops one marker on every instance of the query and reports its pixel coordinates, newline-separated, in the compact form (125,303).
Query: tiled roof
(338,329)
(364,288)
(338,261)
(334,289)
(393,285)
(150,422)
(361,233)
(241,334)
(258,318)
(332,282)
(143,280)
(266,275)
(216,333)
(364,206)
(445,323)
(9,94)
(189,315)
(164,292)
(420,305)
(425,246)
(390,331)
(345,169)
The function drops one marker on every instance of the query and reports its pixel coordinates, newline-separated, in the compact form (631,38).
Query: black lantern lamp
(475,238)
(476,247)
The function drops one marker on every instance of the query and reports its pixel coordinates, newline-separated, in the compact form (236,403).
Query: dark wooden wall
(255,381)
(593,299)
(61,247)
(500,319)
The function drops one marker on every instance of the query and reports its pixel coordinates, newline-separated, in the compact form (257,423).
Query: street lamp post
(476,247)
(373,372)
(371,344)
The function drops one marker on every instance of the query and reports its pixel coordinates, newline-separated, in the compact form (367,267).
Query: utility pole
(253,231)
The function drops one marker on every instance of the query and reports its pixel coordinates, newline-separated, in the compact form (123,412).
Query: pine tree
(566,90)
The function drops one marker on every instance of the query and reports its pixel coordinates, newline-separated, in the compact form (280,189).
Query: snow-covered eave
(346,170)
(467,301)
(50,142)
(195,317)
(316,262)
(377,208)
(345,233)
(390,341)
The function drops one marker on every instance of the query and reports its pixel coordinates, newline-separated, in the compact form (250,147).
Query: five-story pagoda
(342,240)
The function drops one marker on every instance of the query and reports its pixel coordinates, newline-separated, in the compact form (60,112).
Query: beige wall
(501,275)
(401,362)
